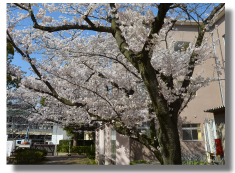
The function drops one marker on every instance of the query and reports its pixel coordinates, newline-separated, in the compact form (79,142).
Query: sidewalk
(64,159)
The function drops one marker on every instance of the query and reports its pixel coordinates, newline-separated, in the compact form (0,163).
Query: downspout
(217,66)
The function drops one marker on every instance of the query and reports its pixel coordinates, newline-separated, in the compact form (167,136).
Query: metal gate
(49,148)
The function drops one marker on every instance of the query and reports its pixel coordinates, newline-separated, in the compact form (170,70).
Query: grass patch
(138,162)
(93,162)
(193,162)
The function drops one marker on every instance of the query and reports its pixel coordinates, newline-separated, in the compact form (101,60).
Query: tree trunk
(168,138)
(75,139)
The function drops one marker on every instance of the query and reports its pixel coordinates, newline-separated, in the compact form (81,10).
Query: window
(181,46)
(48,127)
(191,132)
(145,128)
(113,144)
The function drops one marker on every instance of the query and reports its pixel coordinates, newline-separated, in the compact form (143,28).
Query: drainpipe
(217,66)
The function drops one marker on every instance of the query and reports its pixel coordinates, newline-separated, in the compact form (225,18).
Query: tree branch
(53,92)
(68,27)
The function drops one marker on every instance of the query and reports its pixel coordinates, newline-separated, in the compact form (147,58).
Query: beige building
(198,127)
(194,118)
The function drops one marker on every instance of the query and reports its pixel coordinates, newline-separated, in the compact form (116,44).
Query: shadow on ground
(67,160)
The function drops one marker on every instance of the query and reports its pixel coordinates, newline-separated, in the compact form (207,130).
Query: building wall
(17,124)
(103,147)
(208,97)
(107,144)
(122,149)
(88,135)
(140,152)
(59,131)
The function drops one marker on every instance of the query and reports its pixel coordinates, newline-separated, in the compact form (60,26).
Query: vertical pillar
(107,143)
(97,146)
(101,145)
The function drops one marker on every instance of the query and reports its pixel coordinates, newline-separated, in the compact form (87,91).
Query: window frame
(113,144)
(191,129)
(183,44)
(145,128)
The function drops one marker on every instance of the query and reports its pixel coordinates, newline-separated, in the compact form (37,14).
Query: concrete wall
(122,149)
(140,152)
(107,144)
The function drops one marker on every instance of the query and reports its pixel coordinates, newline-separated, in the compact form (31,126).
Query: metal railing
(199,159)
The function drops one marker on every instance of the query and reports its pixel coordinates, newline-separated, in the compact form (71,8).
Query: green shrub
(78,149)
(80,142)
(63,148)
(90,151)
(141,161)
(138,162)
(30,156)
(66,142)
(73,149)
(132,163)
(93,162)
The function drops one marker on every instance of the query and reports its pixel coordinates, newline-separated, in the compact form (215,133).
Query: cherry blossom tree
(124,74)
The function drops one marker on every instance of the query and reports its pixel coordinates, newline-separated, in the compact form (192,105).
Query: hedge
(63,148)
(73,149)
(30,156)
(90,151)
(65,142)
(79,142)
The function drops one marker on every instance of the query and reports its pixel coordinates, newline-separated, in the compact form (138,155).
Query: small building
(113,148)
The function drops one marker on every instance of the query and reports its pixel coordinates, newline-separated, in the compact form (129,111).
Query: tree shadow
(140,152)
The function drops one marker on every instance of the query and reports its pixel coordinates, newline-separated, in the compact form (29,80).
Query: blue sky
(18,59)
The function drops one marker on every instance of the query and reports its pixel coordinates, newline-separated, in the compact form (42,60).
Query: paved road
(67,160)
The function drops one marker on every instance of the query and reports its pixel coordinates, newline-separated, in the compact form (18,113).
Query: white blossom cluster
(92,71)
